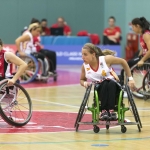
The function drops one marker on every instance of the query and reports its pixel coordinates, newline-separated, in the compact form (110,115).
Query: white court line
(47,87)
(34,99)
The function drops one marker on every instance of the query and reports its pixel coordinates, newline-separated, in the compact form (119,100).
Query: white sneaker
(125,94)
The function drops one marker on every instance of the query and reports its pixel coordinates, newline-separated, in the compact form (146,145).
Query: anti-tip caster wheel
(107,127)
(96,129)
(123,129)
(145,97)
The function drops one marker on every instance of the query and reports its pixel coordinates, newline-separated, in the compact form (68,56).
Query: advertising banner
(71,55)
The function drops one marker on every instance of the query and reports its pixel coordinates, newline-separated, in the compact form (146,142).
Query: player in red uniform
(141,26)
(6,61)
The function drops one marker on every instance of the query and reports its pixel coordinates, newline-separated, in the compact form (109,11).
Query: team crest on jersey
(103,73)
(87,69)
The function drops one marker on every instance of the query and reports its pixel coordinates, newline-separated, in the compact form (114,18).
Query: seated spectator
(62,24)
(112,34)
(45,29)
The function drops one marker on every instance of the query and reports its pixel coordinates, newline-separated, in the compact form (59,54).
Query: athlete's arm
(22,39)
(12,58)
(111,60)
(82,77)
(146,38)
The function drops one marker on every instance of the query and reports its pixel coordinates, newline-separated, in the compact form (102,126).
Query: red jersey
(112,31)
(46,31)
(142,42)
(5,67)
(37,43)
(66,28)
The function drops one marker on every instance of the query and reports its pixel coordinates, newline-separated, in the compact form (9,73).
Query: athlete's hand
(10,82)
(131,84)
(140,63)
(86,84)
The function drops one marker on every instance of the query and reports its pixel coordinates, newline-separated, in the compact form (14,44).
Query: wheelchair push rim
(82,107)
(138,74)
(134,109)
(32,70)
(15,104)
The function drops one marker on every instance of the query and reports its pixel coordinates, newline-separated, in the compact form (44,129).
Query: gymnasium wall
(91,15)
(79,14)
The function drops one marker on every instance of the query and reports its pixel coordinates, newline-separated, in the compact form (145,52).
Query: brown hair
(98,52)
(1,43)
(108,52)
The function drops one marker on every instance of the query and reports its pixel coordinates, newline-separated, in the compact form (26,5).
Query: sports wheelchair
(35,70)
(141,76)
(120,109)
(15,104)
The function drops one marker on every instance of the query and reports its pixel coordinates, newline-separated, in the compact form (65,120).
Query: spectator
(61,23)
(112,34)
(45,29)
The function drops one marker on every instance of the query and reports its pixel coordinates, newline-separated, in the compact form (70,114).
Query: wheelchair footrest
(107,123)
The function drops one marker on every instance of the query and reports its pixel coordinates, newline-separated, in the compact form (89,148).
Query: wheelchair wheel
(138,74)
(146,86)
(31,72)
(82,107)
(15,104)
(134,109)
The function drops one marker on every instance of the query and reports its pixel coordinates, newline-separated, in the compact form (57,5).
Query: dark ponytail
(142,22)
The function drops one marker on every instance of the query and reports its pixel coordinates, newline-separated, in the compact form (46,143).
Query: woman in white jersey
(6,61)
(97,67)
(25,44)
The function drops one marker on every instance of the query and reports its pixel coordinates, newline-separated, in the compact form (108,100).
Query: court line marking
(77,141)
(51,86)
(61,104)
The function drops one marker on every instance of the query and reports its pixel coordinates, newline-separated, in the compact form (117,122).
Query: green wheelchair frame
(120,110)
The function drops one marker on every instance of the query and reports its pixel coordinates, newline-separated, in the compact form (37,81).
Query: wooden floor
(52,124)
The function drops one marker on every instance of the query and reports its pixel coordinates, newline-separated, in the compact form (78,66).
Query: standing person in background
(62,24)
(45,29)
(112,34)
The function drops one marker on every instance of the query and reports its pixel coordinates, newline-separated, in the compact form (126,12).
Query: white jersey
(102,72)
(28,47)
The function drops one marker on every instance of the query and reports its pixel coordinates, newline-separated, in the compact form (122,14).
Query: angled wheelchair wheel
(31,72)
(146,86)
(134,108)
(15,104)
(82,107)
(138,74)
